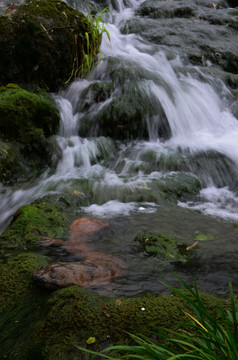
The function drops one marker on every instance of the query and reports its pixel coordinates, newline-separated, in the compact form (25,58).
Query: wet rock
(234,109)
(125,112)
(166,9)
(27,120)
(91,273)
(204,31)
(162,246)
(43,43)
(31,223)
(98,268)
(8,162)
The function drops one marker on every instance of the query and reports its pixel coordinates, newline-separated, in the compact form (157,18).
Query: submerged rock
(90,273)
(45,43)
(98,268)
(162,246)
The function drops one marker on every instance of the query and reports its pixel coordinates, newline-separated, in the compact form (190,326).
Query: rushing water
(200,142)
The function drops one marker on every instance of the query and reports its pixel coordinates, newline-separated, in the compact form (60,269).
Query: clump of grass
(92,40)
(206,336)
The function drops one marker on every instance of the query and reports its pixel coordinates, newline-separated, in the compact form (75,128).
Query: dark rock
(27,120)
(43,43)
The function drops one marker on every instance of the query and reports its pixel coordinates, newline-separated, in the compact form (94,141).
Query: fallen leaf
(192,246)
(91,340)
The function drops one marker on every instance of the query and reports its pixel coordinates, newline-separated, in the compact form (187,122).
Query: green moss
(31,223)
(161,246)
(27,120)
(44,42)
(75,314)
(16,278)
(21,303)
(70,316)
(26,117)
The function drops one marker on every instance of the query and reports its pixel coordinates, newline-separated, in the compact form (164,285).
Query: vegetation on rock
(44,43)
(162,246)
(31,223)
(27,120)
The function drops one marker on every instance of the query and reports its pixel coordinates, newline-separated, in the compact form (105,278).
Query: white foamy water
(197,116)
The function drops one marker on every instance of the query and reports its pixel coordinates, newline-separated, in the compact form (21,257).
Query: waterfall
(186,118)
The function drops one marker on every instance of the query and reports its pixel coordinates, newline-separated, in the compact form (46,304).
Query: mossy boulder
(27,121)
(16,277)
(36,323)
(162,246)
(21,302)
(129,110)
(26,117)
(43,43)
(32,222)
(73,315)
(8,162)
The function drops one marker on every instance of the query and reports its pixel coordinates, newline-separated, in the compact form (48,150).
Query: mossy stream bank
(38,324)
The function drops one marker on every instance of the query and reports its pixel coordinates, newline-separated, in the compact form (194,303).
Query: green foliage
(92,39)
(206,336)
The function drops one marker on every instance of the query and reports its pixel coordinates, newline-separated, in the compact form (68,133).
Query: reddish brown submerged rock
(98,268)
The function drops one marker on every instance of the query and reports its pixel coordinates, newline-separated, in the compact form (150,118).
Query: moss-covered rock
(21,302)
(26,117)
(31,223)
(8,162)
(164,247)
(44,43)
(124,112)
(27,120)
(36,324)
(16,277)
(74,315)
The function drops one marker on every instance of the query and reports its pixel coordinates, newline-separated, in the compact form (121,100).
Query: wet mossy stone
(50,326)
(126,113)
(27,120)
(74,314)
(16,278)
(43,43)
(26,117)
(8,162)
(21,303)
(32,222)
(162,246)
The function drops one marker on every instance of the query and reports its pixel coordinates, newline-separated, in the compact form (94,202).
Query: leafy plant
(206,336)
(92,40)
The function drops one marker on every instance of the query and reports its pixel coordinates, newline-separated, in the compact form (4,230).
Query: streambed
(174,173)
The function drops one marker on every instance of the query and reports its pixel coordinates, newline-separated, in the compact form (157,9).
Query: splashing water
(201,135)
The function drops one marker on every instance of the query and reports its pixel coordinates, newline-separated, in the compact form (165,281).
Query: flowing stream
(127,179)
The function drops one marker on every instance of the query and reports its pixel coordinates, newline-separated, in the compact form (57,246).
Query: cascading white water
(198,119)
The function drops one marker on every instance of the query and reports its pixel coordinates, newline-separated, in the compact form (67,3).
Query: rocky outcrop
(45,43)
(27,121)
(202,31)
